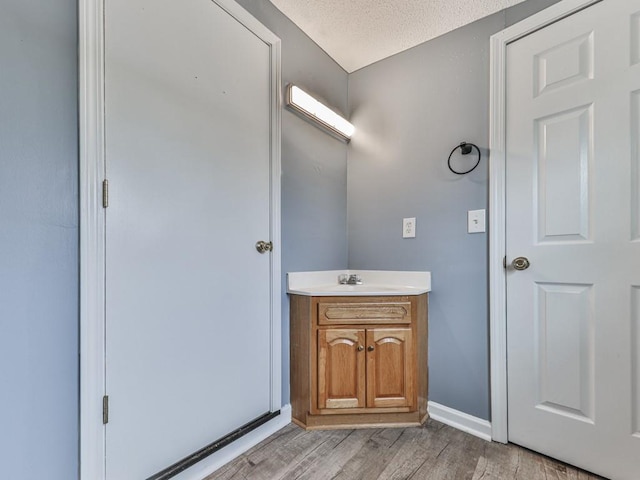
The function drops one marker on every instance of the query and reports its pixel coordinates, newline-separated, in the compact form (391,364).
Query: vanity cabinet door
(390,367)
(341,368)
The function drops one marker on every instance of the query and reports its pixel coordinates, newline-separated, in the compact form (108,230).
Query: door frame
(92,224)
(497,201)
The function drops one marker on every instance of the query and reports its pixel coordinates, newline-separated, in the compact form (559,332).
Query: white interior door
(573,317)
(188,157)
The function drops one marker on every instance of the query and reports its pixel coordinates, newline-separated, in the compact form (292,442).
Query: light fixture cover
(302,102)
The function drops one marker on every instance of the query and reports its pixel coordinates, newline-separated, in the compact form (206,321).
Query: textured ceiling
(357,33)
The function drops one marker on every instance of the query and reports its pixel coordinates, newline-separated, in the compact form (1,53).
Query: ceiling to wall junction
(357,33)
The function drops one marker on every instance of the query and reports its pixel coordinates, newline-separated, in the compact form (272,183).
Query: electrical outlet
(476,221)
(409,227)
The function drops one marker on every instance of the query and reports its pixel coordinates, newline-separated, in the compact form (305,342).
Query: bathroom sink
(325,283)
(360,289)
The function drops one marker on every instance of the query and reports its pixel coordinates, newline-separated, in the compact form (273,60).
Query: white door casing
(191,131)
(571,117)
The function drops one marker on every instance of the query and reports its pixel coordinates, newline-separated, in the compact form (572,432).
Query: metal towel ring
(465,149)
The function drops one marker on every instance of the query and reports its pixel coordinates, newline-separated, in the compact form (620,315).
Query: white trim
(497,277)
(92,247)
(252,23)
(92,232)
(460,420)
(232,451)
(497,201)
(276,221)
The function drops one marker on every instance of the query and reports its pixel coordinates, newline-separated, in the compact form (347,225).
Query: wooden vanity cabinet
(358,361)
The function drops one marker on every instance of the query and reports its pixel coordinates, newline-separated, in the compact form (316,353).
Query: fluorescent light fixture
(303,103)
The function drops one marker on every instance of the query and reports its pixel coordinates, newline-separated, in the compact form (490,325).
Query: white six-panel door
(573,210)
(188,95)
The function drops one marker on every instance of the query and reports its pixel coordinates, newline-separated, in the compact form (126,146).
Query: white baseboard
(462,421)
(212,463)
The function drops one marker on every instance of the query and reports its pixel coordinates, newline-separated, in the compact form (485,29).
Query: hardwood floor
(432,452)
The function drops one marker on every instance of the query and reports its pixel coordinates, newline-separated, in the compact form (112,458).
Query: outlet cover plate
(409,227)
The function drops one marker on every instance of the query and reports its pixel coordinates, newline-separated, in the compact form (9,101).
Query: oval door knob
(521,263)
(370,348)
(264,247)
(360,348)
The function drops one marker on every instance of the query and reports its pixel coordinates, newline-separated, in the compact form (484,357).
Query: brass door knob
(370,348)
(360,348)
(521,263)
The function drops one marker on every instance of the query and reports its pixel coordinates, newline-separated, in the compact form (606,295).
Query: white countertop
(374,282)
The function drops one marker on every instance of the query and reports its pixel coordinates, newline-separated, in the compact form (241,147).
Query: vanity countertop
(374,282)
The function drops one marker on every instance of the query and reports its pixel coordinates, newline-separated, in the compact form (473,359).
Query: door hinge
(105,409)
(105,193)
(504,262)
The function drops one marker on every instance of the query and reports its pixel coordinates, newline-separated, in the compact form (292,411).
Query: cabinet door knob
(370,348)
(360,348)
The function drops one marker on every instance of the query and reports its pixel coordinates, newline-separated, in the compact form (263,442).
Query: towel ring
(465,149)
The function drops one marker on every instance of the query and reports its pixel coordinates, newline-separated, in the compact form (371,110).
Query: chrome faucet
(351,279)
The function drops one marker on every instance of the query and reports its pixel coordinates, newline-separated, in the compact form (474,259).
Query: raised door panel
(390,367)
(564,64)
(564,333)
(635,166)
(564,160)
(635,365)
(341,369)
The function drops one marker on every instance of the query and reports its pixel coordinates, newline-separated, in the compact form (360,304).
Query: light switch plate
(409,227)
(476,221)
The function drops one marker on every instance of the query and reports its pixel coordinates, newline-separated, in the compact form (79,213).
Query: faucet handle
(349,279)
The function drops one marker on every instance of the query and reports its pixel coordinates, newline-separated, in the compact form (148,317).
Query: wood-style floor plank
(419,447)
(373,457)
(431,452)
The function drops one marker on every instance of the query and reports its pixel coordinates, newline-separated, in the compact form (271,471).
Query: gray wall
(38,240)
(411,110)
